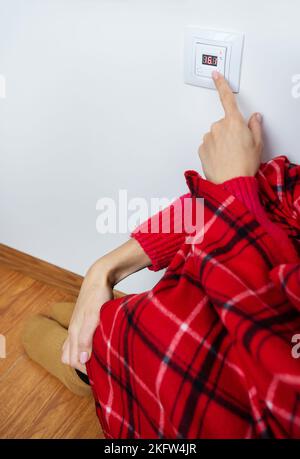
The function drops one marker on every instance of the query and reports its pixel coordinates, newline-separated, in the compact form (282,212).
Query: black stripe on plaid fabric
(117,379)
(243,231)
(124,326)
(257,324)
(193,358)
(194,380)
(214,389)
(198,385)
(267,324)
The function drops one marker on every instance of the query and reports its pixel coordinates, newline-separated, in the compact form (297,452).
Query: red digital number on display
(209,60)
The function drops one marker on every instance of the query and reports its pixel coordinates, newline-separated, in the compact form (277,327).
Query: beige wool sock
(43,339)
(62,313)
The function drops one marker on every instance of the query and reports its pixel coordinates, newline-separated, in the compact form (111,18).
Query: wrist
(101,275)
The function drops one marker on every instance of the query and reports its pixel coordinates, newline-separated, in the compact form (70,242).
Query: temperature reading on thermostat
(209,60)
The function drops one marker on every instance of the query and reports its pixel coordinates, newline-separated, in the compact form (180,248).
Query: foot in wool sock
(62,313)
(43,339)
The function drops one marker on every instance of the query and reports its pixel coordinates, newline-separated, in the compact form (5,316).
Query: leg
(43,339)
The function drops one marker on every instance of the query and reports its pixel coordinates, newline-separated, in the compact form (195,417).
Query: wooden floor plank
(40,270)
(36,405)
(22,298)
(33,404)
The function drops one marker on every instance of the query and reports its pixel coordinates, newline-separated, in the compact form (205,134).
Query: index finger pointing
(226,95)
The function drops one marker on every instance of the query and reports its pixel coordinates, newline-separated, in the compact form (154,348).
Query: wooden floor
(33,404)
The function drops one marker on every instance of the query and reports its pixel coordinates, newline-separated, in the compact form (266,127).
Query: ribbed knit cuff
(159,248)
(245,189)
(162,235)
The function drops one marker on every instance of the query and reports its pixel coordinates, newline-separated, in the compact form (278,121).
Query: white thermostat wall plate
(209,50)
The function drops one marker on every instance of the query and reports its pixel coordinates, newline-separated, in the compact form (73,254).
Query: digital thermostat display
(207,59)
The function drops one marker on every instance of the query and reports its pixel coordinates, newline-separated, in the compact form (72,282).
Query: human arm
(97,289)
(231,156)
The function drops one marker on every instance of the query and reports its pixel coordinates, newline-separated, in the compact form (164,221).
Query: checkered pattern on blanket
(207,353)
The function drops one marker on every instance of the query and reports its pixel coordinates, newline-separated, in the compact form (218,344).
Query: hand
(232,148)
(85,319)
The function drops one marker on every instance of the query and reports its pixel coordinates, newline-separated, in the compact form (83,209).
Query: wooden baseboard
(43,271)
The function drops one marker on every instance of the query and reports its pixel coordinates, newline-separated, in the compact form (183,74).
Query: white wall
(95,102)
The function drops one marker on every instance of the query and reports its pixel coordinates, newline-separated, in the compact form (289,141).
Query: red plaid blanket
(210,351)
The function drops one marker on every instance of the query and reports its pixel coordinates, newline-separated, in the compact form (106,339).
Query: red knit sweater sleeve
(161,246)
(246,189)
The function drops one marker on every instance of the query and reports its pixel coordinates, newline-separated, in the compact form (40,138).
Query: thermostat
(209,50)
